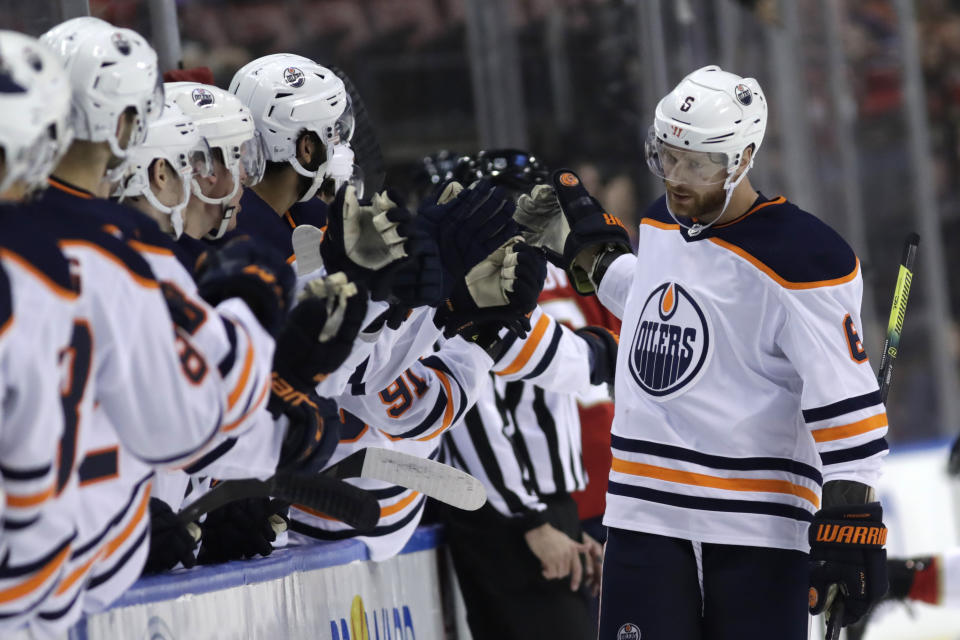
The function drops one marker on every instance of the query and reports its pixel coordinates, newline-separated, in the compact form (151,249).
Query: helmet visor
(253,160)
(683,166)
(198,161)
(345,124)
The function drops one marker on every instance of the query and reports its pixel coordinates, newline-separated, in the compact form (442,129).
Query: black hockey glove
(312,427)
(418,280)
(603,345)
(241,529)
(256,274)
(846,549)
(595,235)
(467,225)
(171,542)
(515,272)
(319,333)
(365,240)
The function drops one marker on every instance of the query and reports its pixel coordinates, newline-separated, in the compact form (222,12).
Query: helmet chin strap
(228,213)
(697,228)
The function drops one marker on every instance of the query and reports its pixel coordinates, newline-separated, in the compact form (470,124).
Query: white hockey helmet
(701,130)
(111,69)
(712,112)
(228,126)
(289,94)
(175,139)
(35,93)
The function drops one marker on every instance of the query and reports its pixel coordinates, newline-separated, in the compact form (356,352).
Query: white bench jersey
(742,382)
(37,315)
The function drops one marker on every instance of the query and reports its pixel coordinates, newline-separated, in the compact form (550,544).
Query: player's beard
(703,207)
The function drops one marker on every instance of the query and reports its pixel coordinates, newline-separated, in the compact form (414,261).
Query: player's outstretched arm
(573,227)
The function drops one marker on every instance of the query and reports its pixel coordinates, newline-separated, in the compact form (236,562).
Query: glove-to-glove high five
(364,237)
(542,223)
(846,549)
(499,292)
(594,233)
(467,225)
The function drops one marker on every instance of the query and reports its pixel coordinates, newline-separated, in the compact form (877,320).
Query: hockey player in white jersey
(136,344)
(749,429)
(38,356)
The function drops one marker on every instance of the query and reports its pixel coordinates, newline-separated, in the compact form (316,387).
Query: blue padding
(281,563)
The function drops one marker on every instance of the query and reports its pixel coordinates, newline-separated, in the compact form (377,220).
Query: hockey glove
(498,293)
(171,542)
(595,236)
(241,529)
(542,223)
(312,427)
(468,225)
(363,238)
(603,345)
(417,281)
(320,331)
(846,549)
(256,274)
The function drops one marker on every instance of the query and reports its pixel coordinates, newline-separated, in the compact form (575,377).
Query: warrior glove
(846,549)
(312,427)
(256,274)
(595,237)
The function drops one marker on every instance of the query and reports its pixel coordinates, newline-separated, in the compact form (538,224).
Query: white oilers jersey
(237,349)
(37,315)
(742,383)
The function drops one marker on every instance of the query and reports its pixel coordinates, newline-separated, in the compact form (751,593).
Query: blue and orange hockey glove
(846,549)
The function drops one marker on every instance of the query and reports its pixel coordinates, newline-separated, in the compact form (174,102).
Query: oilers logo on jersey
(671,345)
(628,632)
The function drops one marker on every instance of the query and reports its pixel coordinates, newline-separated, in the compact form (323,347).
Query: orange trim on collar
(74,191)
(777,200)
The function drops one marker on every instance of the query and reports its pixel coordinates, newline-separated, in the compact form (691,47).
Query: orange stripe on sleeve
(128,530)
(29,500)
(36,580)
(256,405)
(396,507)
(447,413)
(849,430)
(531,344)
(244,375)
(713,482)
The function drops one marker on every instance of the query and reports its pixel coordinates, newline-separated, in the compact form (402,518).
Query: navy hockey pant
(651,591)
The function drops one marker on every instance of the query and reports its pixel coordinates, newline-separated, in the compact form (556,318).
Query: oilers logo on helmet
(121,43)
(671,344)
(744,94)
(202,97)
(628,632)
(293,77)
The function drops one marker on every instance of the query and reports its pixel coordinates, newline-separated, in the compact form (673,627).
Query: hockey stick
(433,479)
(336,498)
(891,349)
